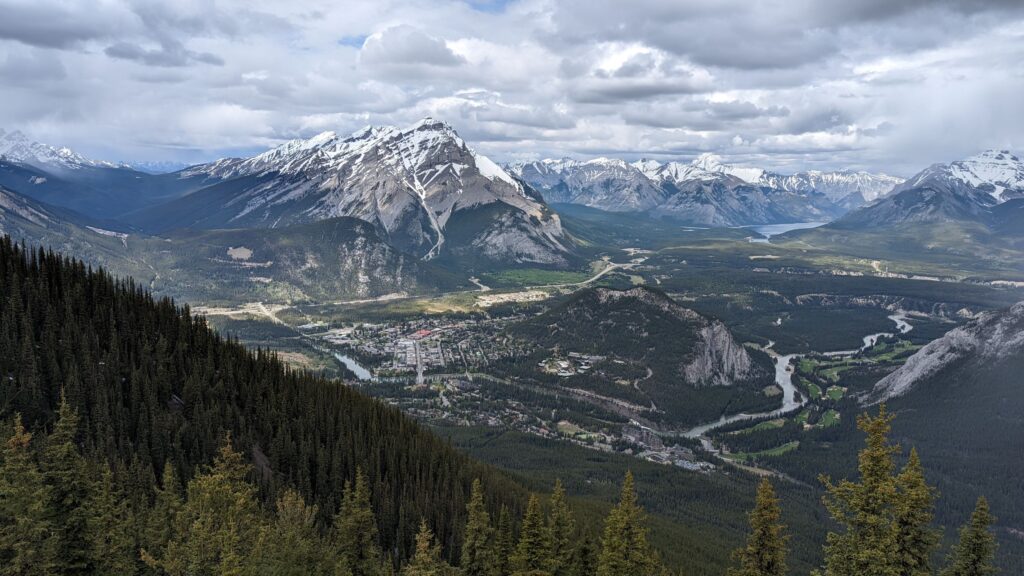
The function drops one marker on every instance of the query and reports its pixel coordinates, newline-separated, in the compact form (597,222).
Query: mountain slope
(603,183)
(960,402)
(153,385)
(334,259)
(330,260)
(985,343)
(409,183)
(62,177)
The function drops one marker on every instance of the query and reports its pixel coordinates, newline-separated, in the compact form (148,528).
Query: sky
(883,85)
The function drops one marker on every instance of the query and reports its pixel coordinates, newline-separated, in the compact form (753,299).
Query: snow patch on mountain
(17,147)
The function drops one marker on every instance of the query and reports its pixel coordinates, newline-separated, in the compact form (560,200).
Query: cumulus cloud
(796,83)
(406,46)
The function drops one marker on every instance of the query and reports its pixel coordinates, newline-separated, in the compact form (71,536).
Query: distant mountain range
(705,191)
(965,215)
(976,189)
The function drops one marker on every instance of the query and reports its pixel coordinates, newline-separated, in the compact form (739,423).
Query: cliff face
(719,360)
(988,340)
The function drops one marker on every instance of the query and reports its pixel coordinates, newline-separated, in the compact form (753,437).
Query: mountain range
(705,191)
(398,199)
(977,189)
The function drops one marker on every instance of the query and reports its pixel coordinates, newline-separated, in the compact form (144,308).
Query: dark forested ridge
(152,385)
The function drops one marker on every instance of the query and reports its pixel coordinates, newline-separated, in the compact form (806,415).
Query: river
(360,372)
(784,379)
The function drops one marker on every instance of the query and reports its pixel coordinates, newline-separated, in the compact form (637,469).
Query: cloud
(406,46)
(818,83)
(58,24)
(168,54)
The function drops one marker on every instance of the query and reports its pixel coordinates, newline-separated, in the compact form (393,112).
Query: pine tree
(974,553)
(25,530)
(291,545)
(65,474)
(868,544)
(476,544)
(915,539)
(355,531)
(110,523)
(532,555)
(765,552)
(218,524)
(504,545)
(427,560)
(624,547)
(562,528)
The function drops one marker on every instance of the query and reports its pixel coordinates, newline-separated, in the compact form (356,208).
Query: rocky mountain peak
(15,146)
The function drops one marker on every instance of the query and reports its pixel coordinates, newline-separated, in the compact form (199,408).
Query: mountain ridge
(706,191)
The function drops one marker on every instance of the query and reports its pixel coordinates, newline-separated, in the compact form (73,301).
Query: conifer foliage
(765,552)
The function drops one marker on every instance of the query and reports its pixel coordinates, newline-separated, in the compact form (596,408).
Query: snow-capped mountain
(155,166)
(17,147)
(837,186)
(603,183)
(967,190)
(705,167)
(996,172)
(706,191)
(420,186)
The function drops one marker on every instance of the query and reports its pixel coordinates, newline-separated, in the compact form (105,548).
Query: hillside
(652,352)
(152,385)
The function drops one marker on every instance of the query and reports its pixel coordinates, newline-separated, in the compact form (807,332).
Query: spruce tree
(765,551)
(291,544)
(624,547)
(25,529)
(476,544)
(504,545)
(867,546)
(973,554)
(427,560)
(64,471)
(562,528)
(532,555)
(916,540)
(219,522)
(584,559)
(110,528)
(355,531)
